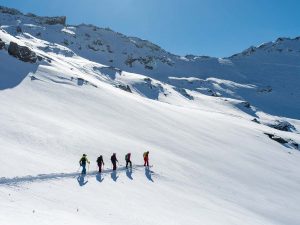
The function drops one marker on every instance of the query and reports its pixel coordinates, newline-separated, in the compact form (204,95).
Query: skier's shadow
(114,176)
(99,177)
(81,180)
(129,173)
(148,174)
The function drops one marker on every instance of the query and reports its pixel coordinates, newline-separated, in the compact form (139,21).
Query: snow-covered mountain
(266,76)
(223,134)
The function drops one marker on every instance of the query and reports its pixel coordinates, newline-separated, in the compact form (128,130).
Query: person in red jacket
(146,158)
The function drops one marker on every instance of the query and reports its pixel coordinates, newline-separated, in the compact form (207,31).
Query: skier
(114,161)
(82,162)
(128,161)
(146,158)
(100,162)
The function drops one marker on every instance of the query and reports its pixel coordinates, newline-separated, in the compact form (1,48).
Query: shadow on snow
(80,178)
(149,173)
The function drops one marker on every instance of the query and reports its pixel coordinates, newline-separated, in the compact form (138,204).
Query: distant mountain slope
(272,69)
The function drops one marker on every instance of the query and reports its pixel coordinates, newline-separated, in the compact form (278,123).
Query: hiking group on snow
(84,161)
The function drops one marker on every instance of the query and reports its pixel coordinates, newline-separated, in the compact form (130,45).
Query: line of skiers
(84,161)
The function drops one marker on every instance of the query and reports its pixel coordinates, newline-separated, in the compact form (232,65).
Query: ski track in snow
(54,176)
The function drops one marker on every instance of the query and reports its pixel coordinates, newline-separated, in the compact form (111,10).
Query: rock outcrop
(22,52)
(2,44)
(45,20)
(53,20)
(9,11)
(283,125)
(289,143)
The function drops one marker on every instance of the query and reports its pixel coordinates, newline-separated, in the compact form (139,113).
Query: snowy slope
(211,163)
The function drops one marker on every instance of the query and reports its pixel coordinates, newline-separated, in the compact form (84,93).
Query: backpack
(99,160)
(126,157)
(83,160)
(113,159)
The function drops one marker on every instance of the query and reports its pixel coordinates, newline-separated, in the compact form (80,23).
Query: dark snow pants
(100,167)
(114,165)
(128,162)
(83,168)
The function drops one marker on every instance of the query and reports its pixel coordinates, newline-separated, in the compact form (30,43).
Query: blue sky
(201,27)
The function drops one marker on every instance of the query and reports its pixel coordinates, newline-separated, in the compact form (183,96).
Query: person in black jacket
(100,162)
(114,161)
(128,161)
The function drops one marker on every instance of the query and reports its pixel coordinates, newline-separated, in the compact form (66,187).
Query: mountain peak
(11,11)
(39,19)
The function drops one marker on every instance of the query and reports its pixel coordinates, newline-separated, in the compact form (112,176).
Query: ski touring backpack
(83,160)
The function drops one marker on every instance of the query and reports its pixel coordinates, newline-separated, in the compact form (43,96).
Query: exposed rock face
(283,125)
(31,15)
(255,120)
(289,143)
(246,104)
(2,44)
(124,87)
(22,52)
(53,20)
(9,11)
(147,61)
(81,81)
(277,138)
(45,20)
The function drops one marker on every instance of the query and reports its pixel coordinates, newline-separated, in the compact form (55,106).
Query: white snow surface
(210,163)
